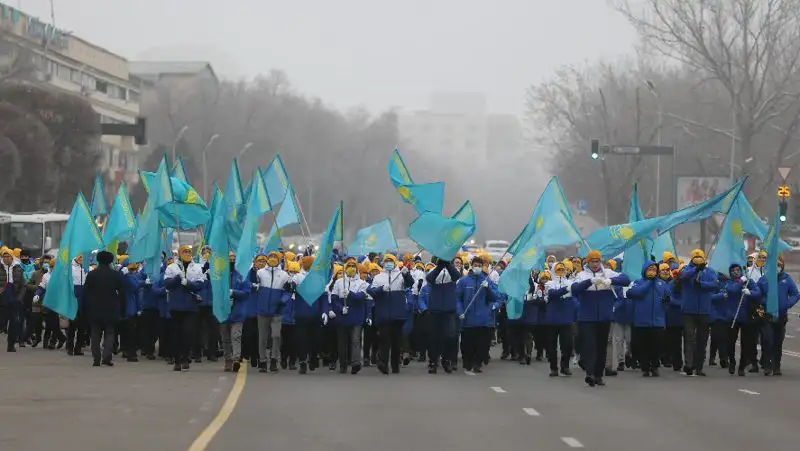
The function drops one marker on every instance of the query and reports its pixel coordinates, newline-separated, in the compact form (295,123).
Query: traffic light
(595,149)
(783,205)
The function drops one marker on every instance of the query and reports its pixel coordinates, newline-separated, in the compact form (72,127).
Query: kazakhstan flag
(187,211)
(257,205)
(232,201)
(377,238)
(287,215)
(551,201)
(179,171)
(442,237)
(219,269)
(121,223)
(99,205)
(772,247)
(80,236)
(423,197)
(319,277)
(277,180)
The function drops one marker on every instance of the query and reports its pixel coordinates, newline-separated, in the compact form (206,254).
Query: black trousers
(52,329)
(370,342)
(390,337)
(35,327)
(695,338)
(475,344)
(166,348)
(559,336)
(14,314)
(288,351)
(206,341)
(441,332)
(76,333)
(594,338)
(520,342)
(183,334)
(719,340)
(148,331)
(250,341)
(673,346)
(128,338)
(772,336)
(106,331)
(307,336)
(418,341)
(646,343)
(746,334)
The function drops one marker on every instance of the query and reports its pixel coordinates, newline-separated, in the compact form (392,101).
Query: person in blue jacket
(308,318)
(153,294)
(775,331)
(183,279)
(275,288)
(595,296)
(133,283)
(388,291)
(288,322)
(730,316)
(673,342)
(352,308)
(476,300)
(649,296)
(231,329)
(166,348)
(441,303)
(621,334)
(698,283)
(559,316)
(206,342)
(250,330)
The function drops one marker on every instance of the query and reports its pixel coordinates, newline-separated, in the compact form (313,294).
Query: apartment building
(66,63)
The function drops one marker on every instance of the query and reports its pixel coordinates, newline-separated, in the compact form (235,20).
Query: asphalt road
(51,401)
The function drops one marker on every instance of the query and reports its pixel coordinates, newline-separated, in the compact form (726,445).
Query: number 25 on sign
(784,192)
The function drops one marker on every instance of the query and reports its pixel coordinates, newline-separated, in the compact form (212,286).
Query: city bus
(38,233)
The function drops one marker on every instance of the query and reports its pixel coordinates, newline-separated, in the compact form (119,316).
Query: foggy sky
(374,53)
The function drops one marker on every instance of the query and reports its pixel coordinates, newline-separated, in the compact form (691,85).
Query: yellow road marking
(204,439)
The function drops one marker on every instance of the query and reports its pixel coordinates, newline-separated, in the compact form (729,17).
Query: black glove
(205,267)
(330,285)
(666,299)
(289,287)
(419,285)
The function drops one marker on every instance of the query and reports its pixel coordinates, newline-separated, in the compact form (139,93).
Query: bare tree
(750,47)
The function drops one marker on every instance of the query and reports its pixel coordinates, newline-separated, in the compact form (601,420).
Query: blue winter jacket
(272,298)
(648,298)
(787,293)
(153,295)
(390,305)
(241,292)
(724,305)
(674,314)
(133,283)
(358,309)
(481,312)
(697,287)
(623,308)
(183,298)
(442,296)
(560,309)
(597,305)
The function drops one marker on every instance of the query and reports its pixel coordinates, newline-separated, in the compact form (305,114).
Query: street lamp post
(244,149)
(652,88)
(175,142)
(205,167)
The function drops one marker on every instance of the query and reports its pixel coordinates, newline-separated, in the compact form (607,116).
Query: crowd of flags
(232,219)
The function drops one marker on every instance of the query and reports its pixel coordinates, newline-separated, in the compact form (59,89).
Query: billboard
(693,190)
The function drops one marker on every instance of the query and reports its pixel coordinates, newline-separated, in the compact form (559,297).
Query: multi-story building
(66,63)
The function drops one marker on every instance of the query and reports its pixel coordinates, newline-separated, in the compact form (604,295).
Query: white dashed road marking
(531,412)
(749,392)
(572,442)
(498,390)
(789,336)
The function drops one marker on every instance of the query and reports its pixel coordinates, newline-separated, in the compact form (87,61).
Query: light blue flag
(187,210)
(423,197)
(551,201)
(216,201)
(377,238)
(752,223)
(312,287)
(441,236)
(287,215)
(257,205)
(179,171)
(232,200)
(276,180)
(219,269)
(664,243)
(771,273)
(730,243)
(465,213)
(99,205)
(81,236)
(146,246)
(612,240)
(557,231)
(274,241)
(121,224)
(636,255)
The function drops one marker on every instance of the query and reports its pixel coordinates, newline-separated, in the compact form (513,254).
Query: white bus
(38,233)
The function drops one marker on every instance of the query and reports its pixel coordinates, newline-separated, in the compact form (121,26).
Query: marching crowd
(386,311)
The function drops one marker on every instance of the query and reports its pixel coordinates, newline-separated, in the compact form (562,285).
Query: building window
(133,96)
(114,159)
(63,72)
(75,76)
(88,82)
(101,86)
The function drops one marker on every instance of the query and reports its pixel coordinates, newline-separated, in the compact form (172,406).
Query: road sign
(637,150)
(582,207)
(784,191)
(784,171)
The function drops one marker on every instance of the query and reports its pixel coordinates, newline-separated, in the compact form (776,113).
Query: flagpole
(303,216)
(341,222)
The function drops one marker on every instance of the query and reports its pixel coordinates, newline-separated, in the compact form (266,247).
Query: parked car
(496,248)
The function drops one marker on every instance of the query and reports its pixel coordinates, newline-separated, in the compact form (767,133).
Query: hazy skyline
(359,52)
